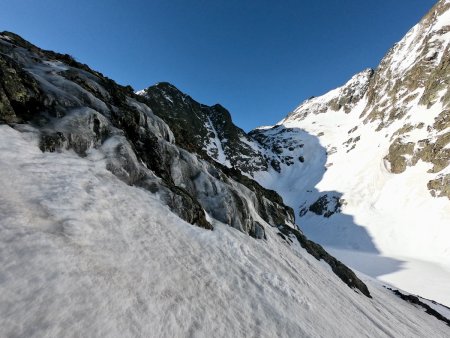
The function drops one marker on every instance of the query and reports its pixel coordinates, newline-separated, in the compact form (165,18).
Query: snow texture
(84,254)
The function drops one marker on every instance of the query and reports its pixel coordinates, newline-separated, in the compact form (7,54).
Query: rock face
(424,79)
(19,93)
(77,108)
(415,69)
(205,130)
(416,73)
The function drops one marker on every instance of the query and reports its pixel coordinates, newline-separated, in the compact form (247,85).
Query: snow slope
(373,147)
(85,254)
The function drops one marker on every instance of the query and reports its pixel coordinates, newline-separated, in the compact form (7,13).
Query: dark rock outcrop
(206,130)
(416,301)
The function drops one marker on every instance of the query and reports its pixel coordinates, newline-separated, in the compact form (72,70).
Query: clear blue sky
(259,59)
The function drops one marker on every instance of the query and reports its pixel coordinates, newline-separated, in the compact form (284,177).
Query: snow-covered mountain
(365,166)
(85,254)
(373,184)
(125,214)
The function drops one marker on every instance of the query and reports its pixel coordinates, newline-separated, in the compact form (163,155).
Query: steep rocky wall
(77,108)
(413,77)
(206,130)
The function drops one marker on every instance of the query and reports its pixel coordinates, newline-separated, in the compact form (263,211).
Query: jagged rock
(84,122)
(77,108)
(206,130)
(326,206)
(53,142)
(440,186)
(19,93)
(396,156)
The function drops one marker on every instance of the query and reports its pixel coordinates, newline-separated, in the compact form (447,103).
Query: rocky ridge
(77,108)
(71,107)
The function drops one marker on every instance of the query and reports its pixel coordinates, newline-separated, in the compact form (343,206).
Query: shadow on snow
(323,222)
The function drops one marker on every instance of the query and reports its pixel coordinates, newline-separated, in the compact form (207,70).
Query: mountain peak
(342,98)
(377,154)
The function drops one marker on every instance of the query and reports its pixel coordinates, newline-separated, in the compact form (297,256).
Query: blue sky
(259,59)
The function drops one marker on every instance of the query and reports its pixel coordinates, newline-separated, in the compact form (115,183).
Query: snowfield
(386,223)
(385,214)
(85,255)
